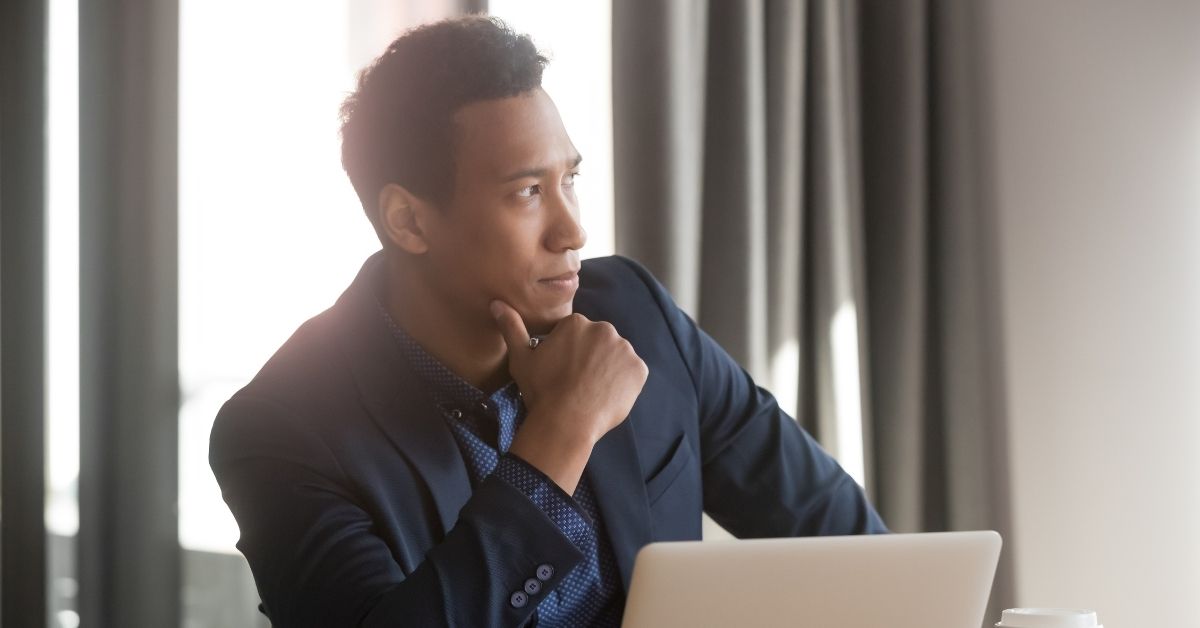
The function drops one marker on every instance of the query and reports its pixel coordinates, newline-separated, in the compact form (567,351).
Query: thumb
(510,324)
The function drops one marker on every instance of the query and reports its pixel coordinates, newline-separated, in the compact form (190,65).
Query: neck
(466,342)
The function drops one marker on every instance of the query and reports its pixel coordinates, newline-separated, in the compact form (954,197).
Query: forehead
(495,137)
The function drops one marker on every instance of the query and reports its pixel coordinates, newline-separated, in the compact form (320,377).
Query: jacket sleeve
(317,560)
(763,474)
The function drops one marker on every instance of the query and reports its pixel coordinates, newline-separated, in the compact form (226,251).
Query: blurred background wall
(1095,128)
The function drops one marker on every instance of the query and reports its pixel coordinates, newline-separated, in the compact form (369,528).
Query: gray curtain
(793,171)
(727,188)
(23,547)
(127,552)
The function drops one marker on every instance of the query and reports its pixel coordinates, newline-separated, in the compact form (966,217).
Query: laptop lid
(932,580)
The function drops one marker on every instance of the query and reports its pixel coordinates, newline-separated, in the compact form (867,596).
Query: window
(62,312)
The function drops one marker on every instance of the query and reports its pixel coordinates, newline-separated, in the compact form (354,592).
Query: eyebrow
(540,171)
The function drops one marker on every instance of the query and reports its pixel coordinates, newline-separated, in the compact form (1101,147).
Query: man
(482,431)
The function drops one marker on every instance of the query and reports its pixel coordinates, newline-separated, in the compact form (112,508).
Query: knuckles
(642,370)
(607,331)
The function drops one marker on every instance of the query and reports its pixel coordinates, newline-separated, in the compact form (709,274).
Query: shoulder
(623,292)
(282,411)
(614,267)
(301,365)
(614,283)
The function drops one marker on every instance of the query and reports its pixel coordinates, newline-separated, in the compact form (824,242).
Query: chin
(543,321)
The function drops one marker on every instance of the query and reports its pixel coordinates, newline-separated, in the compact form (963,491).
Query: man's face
(512,230)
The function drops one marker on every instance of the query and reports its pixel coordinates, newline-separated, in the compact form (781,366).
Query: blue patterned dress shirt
(484,426)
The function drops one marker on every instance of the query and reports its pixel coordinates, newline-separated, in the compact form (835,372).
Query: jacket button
(545,571)
(518,599)
(532,586)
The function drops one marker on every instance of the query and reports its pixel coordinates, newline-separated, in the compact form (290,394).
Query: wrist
(561,430)
(560,456)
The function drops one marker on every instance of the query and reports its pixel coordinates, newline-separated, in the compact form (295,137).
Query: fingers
(510,324)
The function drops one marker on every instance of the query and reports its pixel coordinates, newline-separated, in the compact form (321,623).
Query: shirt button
(483,405)
(545,572)
(518,599)
(456,414)
(532,586)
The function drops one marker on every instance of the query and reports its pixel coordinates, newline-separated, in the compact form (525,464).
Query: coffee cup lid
(1048,618)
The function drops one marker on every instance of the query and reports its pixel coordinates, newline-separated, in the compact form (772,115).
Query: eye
(569,180)
(527,192)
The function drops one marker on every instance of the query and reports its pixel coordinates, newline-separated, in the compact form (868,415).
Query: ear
(401,219)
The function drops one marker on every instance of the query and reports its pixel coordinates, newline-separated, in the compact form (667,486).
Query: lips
(563,277)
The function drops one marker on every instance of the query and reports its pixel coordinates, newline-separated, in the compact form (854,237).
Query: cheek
(496,258)
(512,242)
(490,249)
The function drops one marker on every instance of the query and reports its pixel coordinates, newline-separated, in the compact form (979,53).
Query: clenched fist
(578,383)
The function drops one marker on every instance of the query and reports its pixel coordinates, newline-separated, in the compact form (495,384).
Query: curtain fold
(658,120)
(23,271)
(737,180)
(806,179)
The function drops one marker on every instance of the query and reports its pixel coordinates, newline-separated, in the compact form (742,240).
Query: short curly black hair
(397,125)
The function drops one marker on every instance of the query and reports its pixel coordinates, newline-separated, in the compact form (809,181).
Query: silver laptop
(935,580)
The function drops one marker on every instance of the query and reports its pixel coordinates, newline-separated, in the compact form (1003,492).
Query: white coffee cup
(1048,618)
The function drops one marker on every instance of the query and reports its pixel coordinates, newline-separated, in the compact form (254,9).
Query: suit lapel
(415,426)
(397,402)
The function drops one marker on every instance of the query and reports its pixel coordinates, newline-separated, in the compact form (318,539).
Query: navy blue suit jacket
(353,499)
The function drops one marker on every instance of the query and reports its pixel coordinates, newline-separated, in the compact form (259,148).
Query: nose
(565,233)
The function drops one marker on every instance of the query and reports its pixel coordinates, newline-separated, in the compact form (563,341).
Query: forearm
(318,561)
(560,454)
(499,542)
